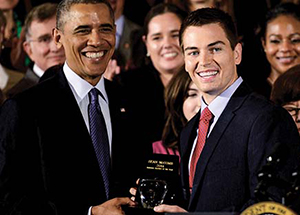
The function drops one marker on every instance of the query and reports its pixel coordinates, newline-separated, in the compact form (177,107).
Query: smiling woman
(280,37)
(144,86)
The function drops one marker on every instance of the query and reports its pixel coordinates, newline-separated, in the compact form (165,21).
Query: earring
(148,54)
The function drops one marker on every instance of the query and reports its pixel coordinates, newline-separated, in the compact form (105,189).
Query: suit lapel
(214,139)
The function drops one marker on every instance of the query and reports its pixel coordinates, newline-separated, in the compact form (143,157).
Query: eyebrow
(159,33)
(209,45)
(105,25)
(277,35)
(44,36)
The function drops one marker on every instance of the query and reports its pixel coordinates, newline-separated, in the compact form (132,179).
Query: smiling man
(39,46)
(225,145)
(59,140)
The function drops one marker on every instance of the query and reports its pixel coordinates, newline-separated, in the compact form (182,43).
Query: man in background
(39,45)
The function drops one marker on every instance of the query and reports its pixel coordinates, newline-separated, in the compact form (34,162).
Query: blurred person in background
(280,38)
(8,77)
(124,27)
(39,45)
(286,92)
(183,101)
(144,87)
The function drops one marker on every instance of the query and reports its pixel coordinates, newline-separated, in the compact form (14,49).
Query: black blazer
(244,135)
(47,160)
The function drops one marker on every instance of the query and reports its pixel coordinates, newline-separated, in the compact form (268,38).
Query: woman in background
(280,37)
(183,101)
(286,93)
(144,86)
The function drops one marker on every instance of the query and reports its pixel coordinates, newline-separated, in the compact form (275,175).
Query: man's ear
(27,49)
(57,34)
(238,53)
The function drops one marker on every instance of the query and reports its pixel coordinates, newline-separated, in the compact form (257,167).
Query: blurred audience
(286,92)
(13,56)
(280,39)
(125,27)
(8,77)
(183,101)
(144,86)
(39,45)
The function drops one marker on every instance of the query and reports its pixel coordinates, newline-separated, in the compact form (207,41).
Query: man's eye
(45,40)
(193,53)
(106,29)
(215,49)
(83,31)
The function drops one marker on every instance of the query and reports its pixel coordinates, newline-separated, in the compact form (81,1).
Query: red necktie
(205,118)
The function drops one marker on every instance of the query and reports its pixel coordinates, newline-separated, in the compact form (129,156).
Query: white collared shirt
(3,78)
(37,70)
(217,107)
(81,89)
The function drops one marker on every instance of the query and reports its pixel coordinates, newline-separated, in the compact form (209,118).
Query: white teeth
(173,54)
(206,74)
(94,54)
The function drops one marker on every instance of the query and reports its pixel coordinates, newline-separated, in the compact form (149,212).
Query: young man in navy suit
(244,128)
(48,164)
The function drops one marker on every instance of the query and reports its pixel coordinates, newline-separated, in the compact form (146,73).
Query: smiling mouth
(170,55)
(94,55)
(208,74)
(286,59)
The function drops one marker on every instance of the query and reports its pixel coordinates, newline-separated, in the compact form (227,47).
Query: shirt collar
(219,103)
(37,70)
(81,86)
(3,78)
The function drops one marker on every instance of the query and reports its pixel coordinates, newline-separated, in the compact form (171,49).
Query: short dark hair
(286,88)
(283,9)
(65,5)
(160,9)
(40,13)
(205,16)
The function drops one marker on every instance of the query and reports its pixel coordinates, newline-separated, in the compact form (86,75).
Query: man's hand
(168,209)
(112,207)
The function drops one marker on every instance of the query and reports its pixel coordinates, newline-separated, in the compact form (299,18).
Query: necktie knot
(206,115)
(94,95)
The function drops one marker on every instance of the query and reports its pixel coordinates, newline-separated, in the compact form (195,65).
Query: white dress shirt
(37,70)
(3,78)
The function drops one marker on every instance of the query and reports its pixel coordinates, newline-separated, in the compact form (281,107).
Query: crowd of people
(88,95)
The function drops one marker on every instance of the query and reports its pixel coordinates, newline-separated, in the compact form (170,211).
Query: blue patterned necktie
(99,137)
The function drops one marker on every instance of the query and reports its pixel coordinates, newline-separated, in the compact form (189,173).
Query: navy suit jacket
(244,135)
(47,160)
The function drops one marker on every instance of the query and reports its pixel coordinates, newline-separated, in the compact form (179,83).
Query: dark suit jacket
(244,135)
(30,79)
(123,52)
(47,161)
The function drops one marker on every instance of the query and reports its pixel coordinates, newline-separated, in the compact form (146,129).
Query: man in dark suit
(49,162)
(242,130)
